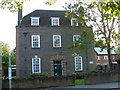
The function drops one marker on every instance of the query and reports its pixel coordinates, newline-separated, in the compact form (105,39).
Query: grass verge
(80,82)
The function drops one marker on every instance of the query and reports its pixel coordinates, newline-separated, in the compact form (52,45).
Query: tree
(99,43)
(101,17)
(5,49)
(13,5)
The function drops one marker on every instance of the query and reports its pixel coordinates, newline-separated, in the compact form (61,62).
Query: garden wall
(41,82)
(105,77)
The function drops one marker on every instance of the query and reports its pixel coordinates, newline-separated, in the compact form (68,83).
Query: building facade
(42,41)
(101,58)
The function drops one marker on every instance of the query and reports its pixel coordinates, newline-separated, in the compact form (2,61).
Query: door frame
(58,63)
(58,58)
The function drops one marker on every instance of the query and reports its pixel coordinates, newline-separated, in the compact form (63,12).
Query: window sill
(35,47)
(57,47)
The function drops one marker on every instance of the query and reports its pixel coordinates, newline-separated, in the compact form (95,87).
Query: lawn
(80,82)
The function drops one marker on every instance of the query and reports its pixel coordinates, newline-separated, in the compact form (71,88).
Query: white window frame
(74,22)
(77,36)
(36,23)
(59,37)
(76,63)
(57,21)
(113,57)
(105,57)
(38,41)
(98,57)
(34,67)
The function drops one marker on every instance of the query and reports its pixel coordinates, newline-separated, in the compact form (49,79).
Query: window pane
(36,65)
(78,63)
(75,40)
(56,41)
(35,21)
(35,41)
(76,37)
(74,22)
(55,21)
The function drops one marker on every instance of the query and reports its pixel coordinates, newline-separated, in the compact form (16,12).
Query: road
(103,86)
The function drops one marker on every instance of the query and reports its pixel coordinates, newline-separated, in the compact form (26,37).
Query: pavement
(103,86)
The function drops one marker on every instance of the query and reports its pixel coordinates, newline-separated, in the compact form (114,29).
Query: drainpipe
(25,35)
(87,62)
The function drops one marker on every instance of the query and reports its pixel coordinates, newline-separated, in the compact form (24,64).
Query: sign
(91,62)
(9,73)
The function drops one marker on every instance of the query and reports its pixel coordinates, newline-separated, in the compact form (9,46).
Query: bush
(97,71)
(78,75)
(39,75)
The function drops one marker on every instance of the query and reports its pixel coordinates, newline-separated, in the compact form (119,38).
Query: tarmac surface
(103,86)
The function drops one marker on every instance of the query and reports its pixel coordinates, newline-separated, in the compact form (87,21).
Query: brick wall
(47,52)
(105,77)
(41,82)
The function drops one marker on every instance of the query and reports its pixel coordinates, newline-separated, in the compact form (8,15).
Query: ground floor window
(36,65)
(78,63)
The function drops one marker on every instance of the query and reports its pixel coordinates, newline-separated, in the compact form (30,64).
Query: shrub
(78,75)
(97,71)
(39,75)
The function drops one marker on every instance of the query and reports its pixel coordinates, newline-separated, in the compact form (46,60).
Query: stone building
(42,41)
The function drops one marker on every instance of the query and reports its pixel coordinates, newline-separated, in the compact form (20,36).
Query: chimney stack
(19,15)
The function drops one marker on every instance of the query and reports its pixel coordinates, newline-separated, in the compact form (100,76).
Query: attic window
(55,21)
(35,21)
(74,22)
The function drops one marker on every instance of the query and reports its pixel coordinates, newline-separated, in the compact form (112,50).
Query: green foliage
(102,16)
(80,82)
(50,2)
(39,75)
(100,43)
(5,55)
(78,75)
(111,7)
(97,71)
(12,5)
(86,40)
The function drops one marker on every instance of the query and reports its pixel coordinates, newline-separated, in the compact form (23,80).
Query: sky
(8,20)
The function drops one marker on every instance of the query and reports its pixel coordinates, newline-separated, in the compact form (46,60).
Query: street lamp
(10,73)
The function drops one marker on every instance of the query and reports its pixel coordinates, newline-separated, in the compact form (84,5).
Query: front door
(57,68)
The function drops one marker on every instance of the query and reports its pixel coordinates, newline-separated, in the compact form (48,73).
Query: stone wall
(41,82)
(105,77)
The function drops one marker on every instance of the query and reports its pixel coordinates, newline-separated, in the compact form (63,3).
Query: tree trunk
(109,59)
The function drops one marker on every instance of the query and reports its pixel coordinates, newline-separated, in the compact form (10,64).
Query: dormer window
(55,21)
(76,38)
(74,22)
(35,21)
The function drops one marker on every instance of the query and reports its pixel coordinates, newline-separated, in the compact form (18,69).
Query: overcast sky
(8,20)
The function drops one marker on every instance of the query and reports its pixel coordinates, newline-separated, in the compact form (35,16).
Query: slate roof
(99,50)
(45,16)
